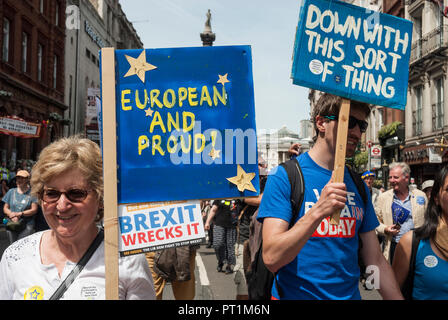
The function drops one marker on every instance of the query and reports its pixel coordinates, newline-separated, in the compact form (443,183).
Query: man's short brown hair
(329,105)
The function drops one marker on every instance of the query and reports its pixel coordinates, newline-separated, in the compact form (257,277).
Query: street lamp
(267,155)
(436,150)
(439,146)
(385,168)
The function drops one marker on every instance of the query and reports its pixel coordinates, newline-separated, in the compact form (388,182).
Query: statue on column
(208,27)
(208,36)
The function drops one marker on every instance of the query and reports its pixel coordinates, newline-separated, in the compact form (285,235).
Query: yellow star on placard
(243,180)
(222,79)
(149,112)
(139,66)
(214,153)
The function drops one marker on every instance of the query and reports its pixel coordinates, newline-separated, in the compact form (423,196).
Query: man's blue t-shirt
(327,265)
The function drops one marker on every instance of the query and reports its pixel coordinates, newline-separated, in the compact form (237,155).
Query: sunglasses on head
(73,195)
(352,122)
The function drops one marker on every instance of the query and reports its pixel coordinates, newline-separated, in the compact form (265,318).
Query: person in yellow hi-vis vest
(4,172)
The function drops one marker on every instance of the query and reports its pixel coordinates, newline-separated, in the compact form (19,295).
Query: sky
(268,26)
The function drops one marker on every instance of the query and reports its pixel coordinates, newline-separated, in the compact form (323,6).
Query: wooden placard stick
(110,172)
(341,145)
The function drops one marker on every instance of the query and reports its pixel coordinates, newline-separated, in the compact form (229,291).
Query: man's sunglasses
(73,195)
(352,122)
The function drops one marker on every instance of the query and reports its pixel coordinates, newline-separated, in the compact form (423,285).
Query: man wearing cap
(427,188)
(399,209)
(20,208)
(368,178)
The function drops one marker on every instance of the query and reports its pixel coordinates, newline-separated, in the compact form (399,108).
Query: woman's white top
(23,276)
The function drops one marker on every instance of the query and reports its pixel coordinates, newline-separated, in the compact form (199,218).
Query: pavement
(369,294)
(213,285)
(210,284)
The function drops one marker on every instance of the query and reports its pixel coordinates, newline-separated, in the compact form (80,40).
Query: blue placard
(353,52)
(185,121)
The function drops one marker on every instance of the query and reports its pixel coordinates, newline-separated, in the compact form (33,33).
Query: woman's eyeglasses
(74,195)
(352,122)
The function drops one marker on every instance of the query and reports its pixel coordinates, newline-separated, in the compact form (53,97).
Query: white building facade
(273,145)
(426,116)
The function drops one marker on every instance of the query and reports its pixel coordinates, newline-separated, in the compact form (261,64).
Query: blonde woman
(67,180)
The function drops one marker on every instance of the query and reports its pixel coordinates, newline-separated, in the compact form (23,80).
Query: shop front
(425,160)
(26,126)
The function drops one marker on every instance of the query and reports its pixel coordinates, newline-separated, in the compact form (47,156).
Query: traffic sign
(375,151)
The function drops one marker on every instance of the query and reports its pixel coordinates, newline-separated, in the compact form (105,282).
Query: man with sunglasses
(315,259)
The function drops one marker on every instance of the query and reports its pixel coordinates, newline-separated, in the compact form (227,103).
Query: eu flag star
(243,180)
(139,66)
(149,112)
(214,153)
(222,79)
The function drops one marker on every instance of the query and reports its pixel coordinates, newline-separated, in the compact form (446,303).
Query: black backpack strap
(297,183)
(408,284)
(360,185)
(79,266)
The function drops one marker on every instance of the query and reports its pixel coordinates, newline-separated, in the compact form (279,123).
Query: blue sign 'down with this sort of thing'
(353,52)
(185,119)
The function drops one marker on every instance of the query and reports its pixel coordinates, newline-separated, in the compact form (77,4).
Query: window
(25,49)
(6,38)
(56,18)
(417,32)
(40,52)
(417,121)
(70,91)
(380,117)
(55,71)
(417,19)
(440,26)
(439,104)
